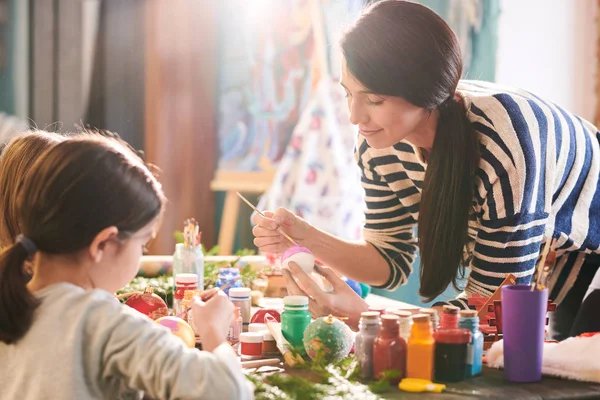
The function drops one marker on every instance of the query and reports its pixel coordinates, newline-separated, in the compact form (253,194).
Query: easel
(258,182)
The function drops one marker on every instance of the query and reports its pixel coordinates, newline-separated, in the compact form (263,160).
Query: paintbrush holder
(524,327)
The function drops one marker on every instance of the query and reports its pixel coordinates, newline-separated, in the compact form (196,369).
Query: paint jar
(421,347)
(449,318)
(389,349)
(451,354)
(269,345)
(256,327)
(469,320)
(405,321)
(433,317)
(183,282)
(240,297)
(227,276)
(235,329)
(251,344)
(368,330)
(294,320)
(379,309)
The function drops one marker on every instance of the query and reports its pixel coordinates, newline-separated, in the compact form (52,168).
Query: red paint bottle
(389,349)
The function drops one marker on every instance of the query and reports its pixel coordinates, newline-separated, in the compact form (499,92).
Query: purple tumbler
(523,329)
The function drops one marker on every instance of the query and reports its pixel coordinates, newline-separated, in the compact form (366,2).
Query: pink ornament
(301,256)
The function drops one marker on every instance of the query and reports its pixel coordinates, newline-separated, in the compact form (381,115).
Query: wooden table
(491,384)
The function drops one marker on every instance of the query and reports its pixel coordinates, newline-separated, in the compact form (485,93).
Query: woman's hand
(341,302)
(266,235)
(212,319)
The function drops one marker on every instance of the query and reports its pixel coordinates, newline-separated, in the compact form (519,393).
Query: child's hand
(212,319)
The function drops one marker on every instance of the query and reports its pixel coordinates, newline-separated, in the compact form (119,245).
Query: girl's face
(120,260)
(385,120)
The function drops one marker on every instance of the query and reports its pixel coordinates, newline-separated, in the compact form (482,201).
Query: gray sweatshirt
(84,344)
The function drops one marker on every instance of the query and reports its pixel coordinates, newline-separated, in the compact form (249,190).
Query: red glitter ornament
(148,303)
(259,316)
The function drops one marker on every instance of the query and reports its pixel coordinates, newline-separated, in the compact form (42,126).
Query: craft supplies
(524,323)
(421,346)
(433,317)
(281,231)
(368,330)
(379,309)
(450,362)
(269,347)
(228,278)
(148,303)
(179,328)
(328,339)
(294,320)
(183,282)
(413,385)
(449,318)
(469,320)
(261,363)
(283,345)
(235,329)
(537,276)
(185,307)
(301,256)
(389,349)
(259,315)
(240,297)
(257,327)
(251,344)
(405,321)
(509,280)
(188,257)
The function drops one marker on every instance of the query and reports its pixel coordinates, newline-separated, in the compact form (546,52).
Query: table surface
(491,384)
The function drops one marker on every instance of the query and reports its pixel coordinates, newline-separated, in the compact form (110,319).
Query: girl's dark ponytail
(17,304)
(446,200)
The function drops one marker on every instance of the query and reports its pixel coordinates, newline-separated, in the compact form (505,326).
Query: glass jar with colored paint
(449,317)
(421,347)
(389,349)
(294,320)
(368,330)
(434,317)
(240,297)
(469,320)
(251,344)
(451,354)
(405,322)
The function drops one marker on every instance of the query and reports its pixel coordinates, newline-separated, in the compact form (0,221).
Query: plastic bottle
(469,320)
(368,330)
(421,346)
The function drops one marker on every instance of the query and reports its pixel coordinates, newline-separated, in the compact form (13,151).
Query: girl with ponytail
(475,176)
(85,211)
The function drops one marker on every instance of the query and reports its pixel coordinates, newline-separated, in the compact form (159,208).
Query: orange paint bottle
(421,349)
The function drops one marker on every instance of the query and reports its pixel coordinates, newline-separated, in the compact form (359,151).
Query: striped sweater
(537,179)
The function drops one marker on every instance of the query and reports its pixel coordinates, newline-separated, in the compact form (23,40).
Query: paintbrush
(288,237)
(540,266)
(208,296)
(283,345)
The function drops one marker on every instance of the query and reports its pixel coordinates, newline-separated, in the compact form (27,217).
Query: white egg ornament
(301,256)
(305,260)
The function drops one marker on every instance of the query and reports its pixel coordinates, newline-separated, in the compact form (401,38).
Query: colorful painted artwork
(267,75)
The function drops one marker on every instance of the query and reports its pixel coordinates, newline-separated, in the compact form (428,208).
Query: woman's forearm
(357,260)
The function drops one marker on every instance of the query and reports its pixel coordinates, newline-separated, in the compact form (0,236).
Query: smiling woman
(487,173)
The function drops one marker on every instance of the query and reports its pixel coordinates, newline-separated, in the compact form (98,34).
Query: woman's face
(386,120)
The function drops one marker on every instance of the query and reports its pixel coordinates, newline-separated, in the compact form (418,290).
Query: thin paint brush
(288,237)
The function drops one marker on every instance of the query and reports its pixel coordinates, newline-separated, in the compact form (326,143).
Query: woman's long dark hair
(73,191)
(403,49)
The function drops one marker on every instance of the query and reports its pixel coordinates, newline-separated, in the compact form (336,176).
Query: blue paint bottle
(469,320)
